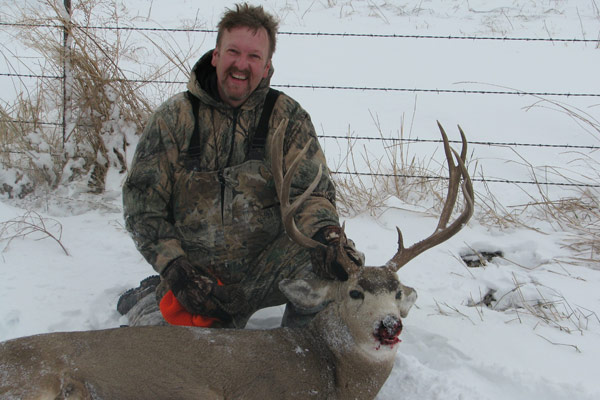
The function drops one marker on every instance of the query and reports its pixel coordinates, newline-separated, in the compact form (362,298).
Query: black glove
(200,294)
(325,261)
(231,299)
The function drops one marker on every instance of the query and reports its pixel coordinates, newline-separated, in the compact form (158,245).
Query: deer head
(362,313)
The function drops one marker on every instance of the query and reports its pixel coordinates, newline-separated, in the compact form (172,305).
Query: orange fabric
(174,313)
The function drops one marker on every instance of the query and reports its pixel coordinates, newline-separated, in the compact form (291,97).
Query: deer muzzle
(388,330)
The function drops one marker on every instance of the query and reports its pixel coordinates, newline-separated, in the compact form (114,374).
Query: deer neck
(360,372)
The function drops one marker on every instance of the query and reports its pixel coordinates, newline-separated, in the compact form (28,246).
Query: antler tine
(454,172)
(342,257)
(283,186)
(443,231)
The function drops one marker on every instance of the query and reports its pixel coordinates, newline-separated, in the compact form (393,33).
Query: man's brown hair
(252,17)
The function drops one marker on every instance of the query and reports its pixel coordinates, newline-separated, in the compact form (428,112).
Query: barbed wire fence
(66,96)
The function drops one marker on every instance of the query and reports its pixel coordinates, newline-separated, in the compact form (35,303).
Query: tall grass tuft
(108,83)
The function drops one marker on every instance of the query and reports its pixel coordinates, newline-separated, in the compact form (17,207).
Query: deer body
(163,363)
(337,356)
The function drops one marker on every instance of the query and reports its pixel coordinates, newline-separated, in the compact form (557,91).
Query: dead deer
(346,352)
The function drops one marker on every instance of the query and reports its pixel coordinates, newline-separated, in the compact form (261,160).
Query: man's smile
(239,76)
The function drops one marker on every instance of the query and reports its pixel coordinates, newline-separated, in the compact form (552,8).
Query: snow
(449,349)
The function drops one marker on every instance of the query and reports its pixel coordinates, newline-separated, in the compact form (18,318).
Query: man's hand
(325,261)
(200,294)
(231,299)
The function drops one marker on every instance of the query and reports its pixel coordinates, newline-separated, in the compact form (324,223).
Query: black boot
(294,318)
(131,297)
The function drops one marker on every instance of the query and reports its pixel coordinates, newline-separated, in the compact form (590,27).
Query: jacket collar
(203,84)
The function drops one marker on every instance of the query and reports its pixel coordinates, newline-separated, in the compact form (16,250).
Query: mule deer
(346,352)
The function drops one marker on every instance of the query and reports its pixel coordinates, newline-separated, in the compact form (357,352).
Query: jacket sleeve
(147,193)
(319,209)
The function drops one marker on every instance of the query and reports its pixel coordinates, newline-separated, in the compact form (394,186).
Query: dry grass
(398,174)
(554,312)
(97,94)
(33,225)
(395,173)
(103,102)
(579,214)
(579,217)
(545,305)
(28,150)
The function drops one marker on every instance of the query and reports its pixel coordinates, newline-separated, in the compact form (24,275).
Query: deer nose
(388,330)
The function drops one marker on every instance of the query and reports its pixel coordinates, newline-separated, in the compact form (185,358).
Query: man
(199,200)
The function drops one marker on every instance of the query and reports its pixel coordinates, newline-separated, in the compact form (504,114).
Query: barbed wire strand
(357,88)
(17,121)
(318,34)
(486,180)
(387,139)
(440,91)
(481,143)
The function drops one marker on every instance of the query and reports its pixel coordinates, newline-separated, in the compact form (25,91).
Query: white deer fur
(336,356)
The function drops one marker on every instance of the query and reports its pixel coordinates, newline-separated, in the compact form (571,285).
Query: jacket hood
(203,84)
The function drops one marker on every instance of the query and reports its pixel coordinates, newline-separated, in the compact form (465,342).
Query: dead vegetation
(395,173)
(77,126)
(34,226)
(400,176)
(578,214)
(547,306)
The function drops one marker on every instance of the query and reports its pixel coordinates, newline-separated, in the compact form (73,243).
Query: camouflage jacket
(218,204)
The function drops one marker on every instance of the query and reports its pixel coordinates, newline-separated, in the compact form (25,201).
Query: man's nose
(242,62)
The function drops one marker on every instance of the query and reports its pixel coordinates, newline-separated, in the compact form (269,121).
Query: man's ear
(267,68)
(309,296)
(215,55)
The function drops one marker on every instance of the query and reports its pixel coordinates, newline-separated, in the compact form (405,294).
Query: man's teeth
(242,77)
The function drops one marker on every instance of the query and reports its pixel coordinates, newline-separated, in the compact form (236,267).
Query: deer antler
(283,185)
(443,231)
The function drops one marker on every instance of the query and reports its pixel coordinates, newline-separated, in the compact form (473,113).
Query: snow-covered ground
(450,349)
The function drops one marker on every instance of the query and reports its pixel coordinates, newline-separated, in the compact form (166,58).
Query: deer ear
(309,296)
(409,296)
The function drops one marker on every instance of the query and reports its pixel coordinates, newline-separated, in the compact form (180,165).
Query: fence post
(67,73)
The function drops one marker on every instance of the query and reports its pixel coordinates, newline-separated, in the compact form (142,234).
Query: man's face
(242,61)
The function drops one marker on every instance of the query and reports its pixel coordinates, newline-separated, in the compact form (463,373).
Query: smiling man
(200,201)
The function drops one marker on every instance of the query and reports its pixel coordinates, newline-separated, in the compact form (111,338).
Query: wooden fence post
(67,74)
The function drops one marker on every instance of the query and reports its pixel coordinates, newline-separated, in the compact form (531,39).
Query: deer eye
(399,295)
(355,294)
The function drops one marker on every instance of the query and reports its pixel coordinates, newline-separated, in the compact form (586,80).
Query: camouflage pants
(259,277)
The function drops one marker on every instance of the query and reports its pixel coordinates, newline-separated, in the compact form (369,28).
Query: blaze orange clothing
(175,314)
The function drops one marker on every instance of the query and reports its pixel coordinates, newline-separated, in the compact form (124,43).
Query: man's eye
(355,294)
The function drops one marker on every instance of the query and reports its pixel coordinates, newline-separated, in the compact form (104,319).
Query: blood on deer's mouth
(388,330)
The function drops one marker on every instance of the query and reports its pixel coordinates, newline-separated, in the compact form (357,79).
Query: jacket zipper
(220,172)
(222,182)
